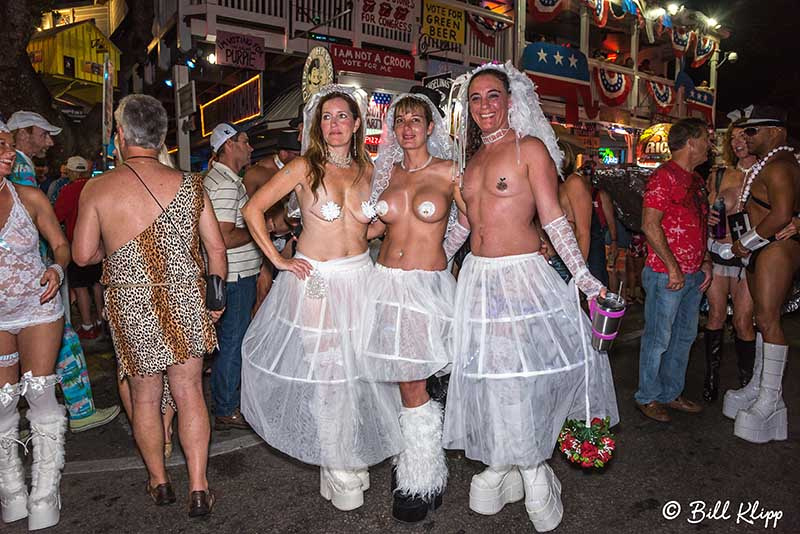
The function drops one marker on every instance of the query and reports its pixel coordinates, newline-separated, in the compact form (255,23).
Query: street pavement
(692,469)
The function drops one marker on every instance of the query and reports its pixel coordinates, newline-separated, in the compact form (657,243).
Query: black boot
(745,359)
(713,355)
(411,508)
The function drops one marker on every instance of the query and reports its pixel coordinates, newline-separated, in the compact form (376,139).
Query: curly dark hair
(474,141)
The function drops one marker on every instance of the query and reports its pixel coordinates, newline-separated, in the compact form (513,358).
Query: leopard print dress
(155,290)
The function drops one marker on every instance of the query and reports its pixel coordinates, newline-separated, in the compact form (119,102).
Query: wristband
(59,271)
(752,241)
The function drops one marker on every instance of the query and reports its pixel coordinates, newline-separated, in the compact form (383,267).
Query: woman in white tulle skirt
(407,332)
(520,360)
(301,388)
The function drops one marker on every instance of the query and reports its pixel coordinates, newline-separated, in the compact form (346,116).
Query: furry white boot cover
(421,468)
(47,435)
(13,492)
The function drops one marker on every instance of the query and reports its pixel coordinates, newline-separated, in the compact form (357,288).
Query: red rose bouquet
(590,446)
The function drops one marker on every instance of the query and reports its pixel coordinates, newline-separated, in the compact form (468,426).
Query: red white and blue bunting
(612,86)
(682,41)
(600,10)
(545,10)
(700,102)
(706,46)
(663,95)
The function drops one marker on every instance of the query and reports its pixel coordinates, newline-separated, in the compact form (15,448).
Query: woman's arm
(45,220)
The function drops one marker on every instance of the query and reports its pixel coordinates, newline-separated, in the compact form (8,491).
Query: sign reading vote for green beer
(444,23)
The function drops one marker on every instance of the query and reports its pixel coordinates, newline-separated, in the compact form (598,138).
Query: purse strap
(164,211)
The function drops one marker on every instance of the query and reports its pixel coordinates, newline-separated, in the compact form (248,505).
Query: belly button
(400,253)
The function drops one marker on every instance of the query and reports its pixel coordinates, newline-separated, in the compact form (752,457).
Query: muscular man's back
(500,203)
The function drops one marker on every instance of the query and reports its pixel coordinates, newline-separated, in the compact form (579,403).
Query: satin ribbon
(37,383)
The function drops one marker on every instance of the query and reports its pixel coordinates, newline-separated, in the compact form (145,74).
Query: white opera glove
(457,236)
(563,239)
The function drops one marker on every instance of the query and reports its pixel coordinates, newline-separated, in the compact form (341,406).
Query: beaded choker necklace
(755,170)
(494,136)
(744,170)
(339,161)
(415,169)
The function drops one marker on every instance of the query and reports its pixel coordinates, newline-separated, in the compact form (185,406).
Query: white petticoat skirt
(301,391)
(519,371)
(407,324)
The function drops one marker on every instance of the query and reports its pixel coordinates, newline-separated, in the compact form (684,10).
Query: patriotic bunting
(613,86)
(600,9)
(703,102)
(663,95)
(545,10)
(681,41)
(706,46)
(563,72)
(483,34)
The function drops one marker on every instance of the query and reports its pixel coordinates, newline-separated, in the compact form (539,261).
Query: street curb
(135,462)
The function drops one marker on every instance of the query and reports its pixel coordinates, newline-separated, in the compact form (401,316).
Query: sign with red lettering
(392,14)
(238,50)
(372,62)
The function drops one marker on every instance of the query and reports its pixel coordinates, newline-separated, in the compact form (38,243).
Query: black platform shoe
(713,356)
(437,386)
(411,508)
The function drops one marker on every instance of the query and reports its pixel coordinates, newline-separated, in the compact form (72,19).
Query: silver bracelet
(752,241)
(59,270)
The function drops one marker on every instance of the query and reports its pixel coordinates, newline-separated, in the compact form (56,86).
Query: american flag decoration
(376,112)
(663,95)
(681,41)
(701,101)
(706,46)
(613,86)
(545,10)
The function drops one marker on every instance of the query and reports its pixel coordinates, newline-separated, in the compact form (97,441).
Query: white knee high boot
(344,488)
(13,491)
(495,487)
(741,399)
(47,435)
(765,420)
(542,497)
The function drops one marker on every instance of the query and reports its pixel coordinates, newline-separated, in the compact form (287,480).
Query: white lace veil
(360,98)
(525,116)
(390,152)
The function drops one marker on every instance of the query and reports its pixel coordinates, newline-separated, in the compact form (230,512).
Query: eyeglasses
(751,131)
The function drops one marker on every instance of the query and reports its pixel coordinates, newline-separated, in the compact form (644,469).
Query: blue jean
(226,373)
(670,328)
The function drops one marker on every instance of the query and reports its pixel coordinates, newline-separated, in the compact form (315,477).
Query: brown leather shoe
(654,410)
(231,421)
(684,405)
(161,494)
(201,503)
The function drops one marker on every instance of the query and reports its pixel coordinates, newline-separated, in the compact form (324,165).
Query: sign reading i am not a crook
(238,50)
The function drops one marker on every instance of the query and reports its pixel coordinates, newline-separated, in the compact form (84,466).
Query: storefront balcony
(297,25)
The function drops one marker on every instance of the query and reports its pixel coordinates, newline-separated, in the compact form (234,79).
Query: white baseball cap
(222,132)
(3,127)
(23,119)
(77,164)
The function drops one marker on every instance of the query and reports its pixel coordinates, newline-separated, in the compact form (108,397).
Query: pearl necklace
(494,136)
(755,170)
(342,162)
(428,162)
(744,170)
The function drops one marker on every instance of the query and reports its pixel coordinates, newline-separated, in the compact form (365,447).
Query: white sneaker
(495,487)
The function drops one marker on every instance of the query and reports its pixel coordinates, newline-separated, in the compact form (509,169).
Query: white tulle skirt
(408,323)
(301,390)
(519,370)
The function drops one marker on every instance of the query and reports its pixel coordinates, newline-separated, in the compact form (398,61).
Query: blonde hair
(317,153)
(728,156)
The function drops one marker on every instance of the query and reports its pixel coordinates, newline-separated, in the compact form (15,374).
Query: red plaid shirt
(681,196)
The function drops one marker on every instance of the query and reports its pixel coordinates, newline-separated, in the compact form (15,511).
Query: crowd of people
(325,350)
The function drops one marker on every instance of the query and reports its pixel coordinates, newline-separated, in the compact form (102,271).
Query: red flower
(587,463)
(604,456)
(597,421)
(588,450)
(608,442)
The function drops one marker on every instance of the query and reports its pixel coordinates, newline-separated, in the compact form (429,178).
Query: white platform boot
(495,487)
(542,497)
(13,492)
(344,488)
(741,399)
(765,420)
(47,435)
